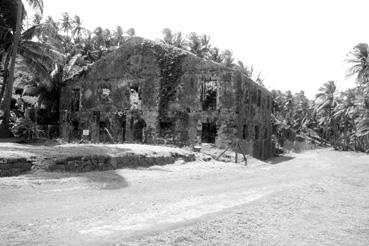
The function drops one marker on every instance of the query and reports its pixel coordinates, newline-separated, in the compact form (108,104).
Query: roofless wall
(153,93)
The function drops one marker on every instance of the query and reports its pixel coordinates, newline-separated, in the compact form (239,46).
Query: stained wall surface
(153,93)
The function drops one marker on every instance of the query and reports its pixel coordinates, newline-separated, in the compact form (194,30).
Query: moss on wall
(170,64)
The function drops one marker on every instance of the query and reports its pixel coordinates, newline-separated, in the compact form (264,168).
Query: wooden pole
(222,153)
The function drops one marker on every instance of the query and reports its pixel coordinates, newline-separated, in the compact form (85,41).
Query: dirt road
(317,197)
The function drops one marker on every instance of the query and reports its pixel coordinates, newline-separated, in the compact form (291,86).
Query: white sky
(298,45)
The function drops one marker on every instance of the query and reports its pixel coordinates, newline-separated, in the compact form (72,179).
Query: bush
(25,129)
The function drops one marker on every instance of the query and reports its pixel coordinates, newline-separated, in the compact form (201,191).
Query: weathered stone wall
(14,166)
(152,93)
(102,163)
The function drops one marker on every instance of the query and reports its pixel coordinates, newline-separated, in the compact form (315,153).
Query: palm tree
(38,55)
(195,44)
(174,39)
(360,67)
(199,45)
(66,23)
(49,20)
(118,38)
(302,114)
(248,71)
(107,37)
(345,112)
(360,63)
(167,36)
(37,19)
(215,55)
(8,84)
(131,32)
(98,38)
(77,28)
(228,58)
(362,120)
(325,103)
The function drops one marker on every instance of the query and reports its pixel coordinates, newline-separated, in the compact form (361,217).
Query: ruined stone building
(154,93)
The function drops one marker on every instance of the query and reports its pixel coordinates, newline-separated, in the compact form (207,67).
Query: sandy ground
(317,197)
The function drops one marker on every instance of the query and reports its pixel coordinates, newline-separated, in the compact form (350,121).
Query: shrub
(25,129)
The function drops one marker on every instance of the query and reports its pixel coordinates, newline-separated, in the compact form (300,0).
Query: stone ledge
(14,166)
(102,163)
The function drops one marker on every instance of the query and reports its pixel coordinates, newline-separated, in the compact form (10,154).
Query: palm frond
(363,127)
(44,29)
(36,4)
(72,62)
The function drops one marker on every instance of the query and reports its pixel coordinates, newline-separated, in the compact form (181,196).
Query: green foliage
(170,64)
(174,39)
(25,129)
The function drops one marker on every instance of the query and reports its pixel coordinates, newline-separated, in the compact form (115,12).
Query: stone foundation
(14,166)
(102,163)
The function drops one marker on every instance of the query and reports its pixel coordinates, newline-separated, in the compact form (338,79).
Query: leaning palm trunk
(5,105)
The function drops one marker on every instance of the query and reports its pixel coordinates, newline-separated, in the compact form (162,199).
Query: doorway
(209,132)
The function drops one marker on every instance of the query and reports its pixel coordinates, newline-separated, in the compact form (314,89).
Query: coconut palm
(174,39)
(107,37)
(77,29)
(49,20)
(37,19)
(325,102)
(131,32)
(360,64)
(38,55)
(199,45)
(118,38)
(248,71)
(98,38)
(215,55)
(228,59)
(8,83)
(344,113)
(66,23)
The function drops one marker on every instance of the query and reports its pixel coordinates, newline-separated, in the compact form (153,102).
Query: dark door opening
(138,126)
(105,134)
(75,133)
(123,124)
(121,119)
(209,132)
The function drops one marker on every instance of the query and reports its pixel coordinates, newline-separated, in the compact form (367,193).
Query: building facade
(153,93)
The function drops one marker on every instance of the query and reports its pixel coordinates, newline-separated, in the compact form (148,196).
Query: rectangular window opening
(209,95)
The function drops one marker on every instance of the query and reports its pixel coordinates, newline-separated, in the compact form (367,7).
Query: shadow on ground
(104,180)
(280,159)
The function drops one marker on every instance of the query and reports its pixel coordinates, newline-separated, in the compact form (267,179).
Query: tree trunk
(5,105)
(6,75)
(345,136)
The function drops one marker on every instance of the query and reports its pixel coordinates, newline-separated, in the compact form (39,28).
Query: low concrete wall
(91,163)
(14,166)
